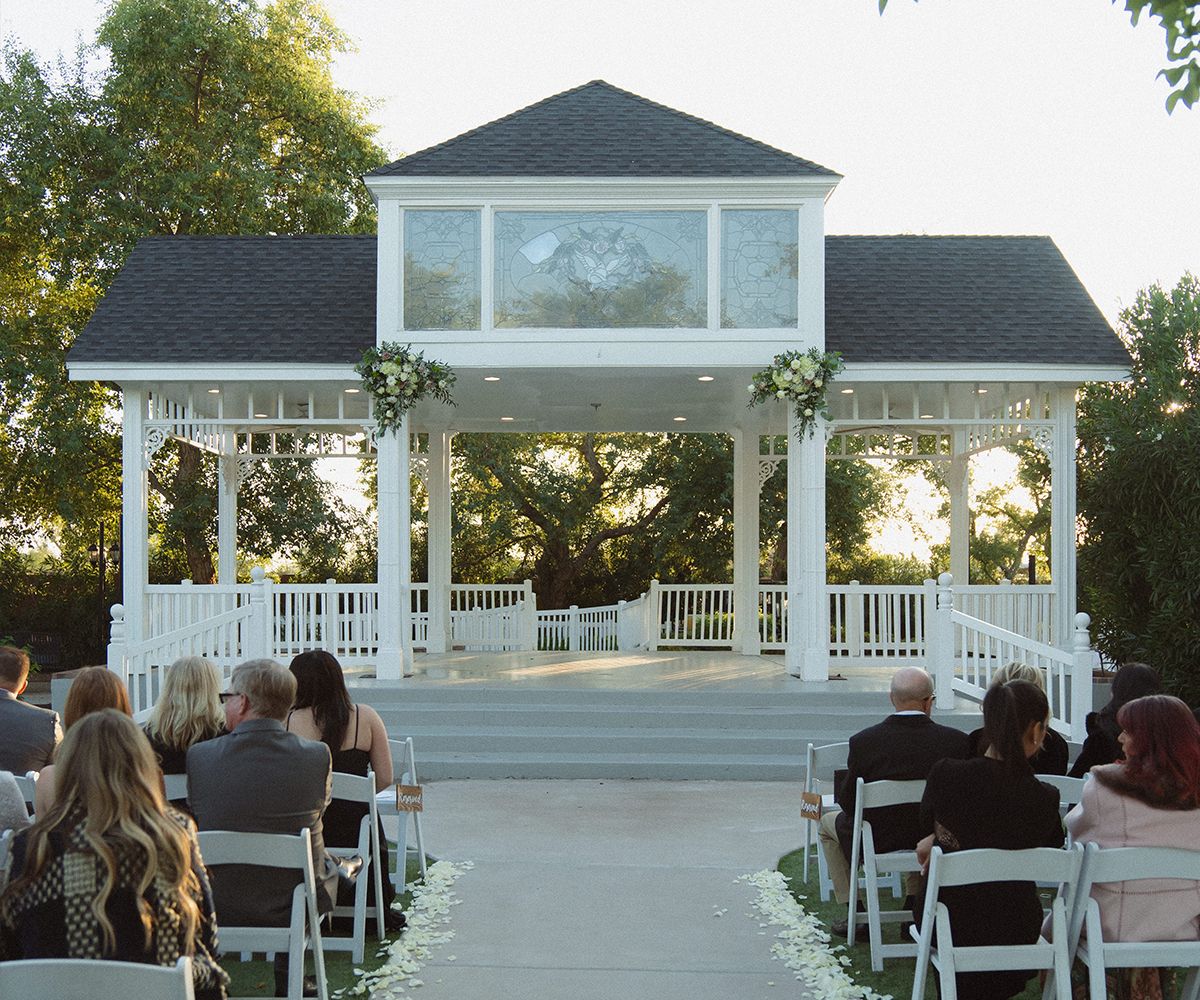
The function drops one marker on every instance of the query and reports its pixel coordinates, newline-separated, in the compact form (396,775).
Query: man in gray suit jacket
(259,778)
(29,735)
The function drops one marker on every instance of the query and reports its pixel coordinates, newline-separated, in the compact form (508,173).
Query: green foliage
(1180,21)
(1139,477)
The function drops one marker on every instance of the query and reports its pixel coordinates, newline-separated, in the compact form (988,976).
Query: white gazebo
(594,262)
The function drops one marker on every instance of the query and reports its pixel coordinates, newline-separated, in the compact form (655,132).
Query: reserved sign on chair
(408,798)
(810,806)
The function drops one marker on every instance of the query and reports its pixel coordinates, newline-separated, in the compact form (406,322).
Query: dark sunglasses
(226,695)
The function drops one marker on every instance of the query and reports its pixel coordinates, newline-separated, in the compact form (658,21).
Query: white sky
(1020,116)
(1010,117)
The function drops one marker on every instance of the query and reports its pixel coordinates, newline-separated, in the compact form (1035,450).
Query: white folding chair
(355,788)
(875,795)
(1038,864)
(95,979)
(27,782)
(274,850)
(5,847)
(1070,790)
(1073,752)
(175,786)
(819,767)
(1120,864)
(404,763)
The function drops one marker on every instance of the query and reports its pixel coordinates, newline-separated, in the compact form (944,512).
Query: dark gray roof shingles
(197,299)
(598,130)
(311,299)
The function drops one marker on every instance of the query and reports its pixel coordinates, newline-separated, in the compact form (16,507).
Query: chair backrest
(404,763)
(1033,864)
(1070,790)
(95,979)
(876,794)
(270,850)
(823,761)
(353,787)
(175,786)
(5,847)
(27,782)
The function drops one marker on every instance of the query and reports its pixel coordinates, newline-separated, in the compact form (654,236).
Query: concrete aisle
(603,889)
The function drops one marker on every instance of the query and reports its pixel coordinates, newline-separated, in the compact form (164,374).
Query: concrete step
(504,732)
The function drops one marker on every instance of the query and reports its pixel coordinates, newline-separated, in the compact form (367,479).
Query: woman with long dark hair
(994,801)
(1103,745)
(1151,799)
(110,871)
(356,738)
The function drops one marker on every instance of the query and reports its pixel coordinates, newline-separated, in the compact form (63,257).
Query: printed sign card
(408,798)
(810,806)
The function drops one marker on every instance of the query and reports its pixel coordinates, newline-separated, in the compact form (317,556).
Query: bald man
(901,748)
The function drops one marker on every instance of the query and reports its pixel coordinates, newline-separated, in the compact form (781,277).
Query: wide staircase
(502,732)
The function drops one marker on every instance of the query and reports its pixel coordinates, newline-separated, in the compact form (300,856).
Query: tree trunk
(189,484)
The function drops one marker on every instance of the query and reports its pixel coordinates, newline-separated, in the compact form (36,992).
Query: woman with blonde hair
(93,689)
(188,711)
(1053,756)
(110,871)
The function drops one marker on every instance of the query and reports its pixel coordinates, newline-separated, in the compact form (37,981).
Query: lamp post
(99,557)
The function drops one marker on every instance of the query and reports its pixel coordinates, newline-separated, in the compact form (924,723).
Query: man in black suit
(261,779)
(29,735)
(901,748)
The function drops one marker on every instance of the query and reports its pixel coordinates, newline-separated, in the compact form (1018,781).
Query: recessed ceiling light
(491,378)
(506,418)
(354,390)
(847,392)
(981,390)
(704,378)
(679,419)
(926,416)
(214,391)
(260,414)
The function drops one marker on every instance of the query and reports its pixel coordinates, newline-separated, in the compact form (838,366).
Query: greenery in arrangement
(802,378)
(399,378)
(1139,476)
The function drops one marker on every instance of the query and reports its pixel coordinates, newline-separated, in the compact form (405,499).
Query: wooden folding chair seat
(1037,864)
(820,764)
(274,850)
(356,788)
(404,763)
(875,795)
(95,979)
(1121,864)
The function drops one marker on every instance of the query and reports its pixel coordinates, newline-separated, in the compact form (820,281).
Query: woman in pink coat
(1151,799)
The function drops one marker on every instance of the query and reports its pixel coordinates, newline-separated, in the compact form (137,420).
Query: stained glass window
(758,268)
(601,269)
(441,270)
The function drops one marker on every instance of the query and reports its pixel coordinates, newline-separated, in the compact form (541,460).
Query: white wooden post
(438,490)
(746,490)
(958,482)
(854,619)
(135,506)
(929,621)
(573,628)
(653,617)
(256,640)
(227,505)
(1063,570)
(943,643)
(329,617)
(531,628)
(1081,678)
(394,655)
(1005,613)
(807,653)
(116,644)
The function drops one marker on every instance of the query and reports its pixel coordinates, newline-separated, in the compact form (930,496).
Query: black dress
(981,803)
(1053,758)
(1102,745)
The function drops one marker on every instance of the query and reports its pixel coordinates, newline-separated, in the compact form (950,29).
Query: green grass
(257,978)
(896,979)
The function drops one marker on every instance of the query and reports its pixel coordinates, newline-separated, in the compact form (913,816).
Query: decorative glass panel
(441,270)
(601,269)
(758,267)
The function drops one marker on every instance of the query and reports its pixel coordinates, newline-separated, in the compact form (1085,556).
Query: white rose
(781,394)
(808,413)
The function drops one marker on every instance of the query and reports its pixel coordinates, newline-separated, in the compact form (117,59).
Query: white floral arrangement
(399,377)
(803,377)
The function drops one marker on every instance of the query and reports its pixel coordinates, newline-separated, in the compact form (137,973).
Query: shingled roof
(1000,299)
(311,299)
(599,130)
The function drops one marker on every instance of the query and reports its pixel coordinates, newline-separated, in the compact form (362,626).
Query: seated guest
(1053,756)
(188,711)
(94,688)
(1102,746)
(28,734)
(110,871)
(262,779)
(13,814)
(357,739)
(994,801)
(1151,799)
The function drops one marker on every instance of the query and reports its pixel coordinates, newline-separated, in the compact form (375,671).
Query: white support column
(1062,516)
(438,491)
(958,481)
(746,633)
(135,507)
(807,654)
(227,505)
(394,554)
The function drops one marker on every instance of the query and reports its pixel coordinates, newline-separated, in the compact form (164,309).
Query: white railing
(772,616)
(692,614)
(493,616)
(339,618)
(874,623)
(967,650)
(1027,610)
(585,630)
